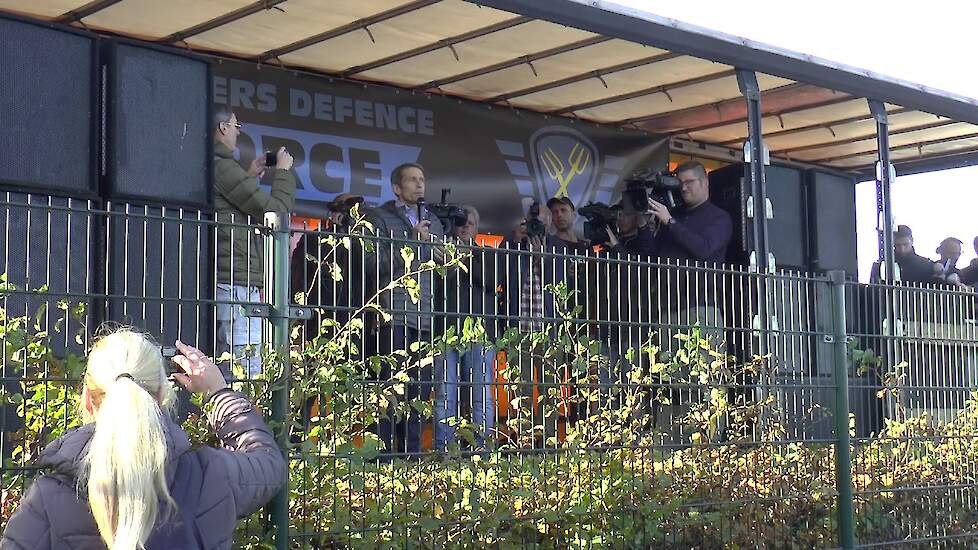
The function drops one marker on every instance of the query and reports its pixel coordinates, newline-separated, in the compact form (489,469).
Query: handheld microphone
(422,210)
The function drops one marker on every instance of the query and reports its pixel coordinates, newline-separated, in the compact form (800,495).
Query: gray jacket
(236,197)
(213,488)
(386,264)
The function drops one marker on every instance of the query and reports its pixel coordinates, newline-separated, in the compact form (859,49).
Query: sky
(929,43)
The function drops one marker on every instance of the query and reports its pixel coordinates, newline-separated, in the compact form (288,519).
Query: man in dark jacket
(914,268)
(411,321)
(700,233)
(240,204)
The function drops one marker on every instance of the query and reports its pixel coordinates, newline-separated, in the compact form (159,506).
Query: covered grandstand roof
(591,60)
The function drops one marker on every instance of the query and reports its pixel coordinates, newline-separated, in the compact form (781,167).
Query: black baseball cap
(561,200)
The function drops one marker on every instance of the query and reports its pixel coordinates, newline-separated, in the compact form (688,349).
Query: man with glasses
(239,201)
(690,297)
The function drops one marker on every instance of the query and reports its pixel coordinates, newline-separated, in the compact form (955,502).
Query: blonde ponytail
(126,459)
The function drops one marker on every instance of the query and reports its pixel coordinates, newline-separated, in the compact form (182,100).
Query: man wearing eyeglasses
(240,205)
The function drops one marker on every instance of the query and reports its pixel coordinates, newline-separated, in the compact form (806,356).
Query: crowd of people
(916,269)
(512,287)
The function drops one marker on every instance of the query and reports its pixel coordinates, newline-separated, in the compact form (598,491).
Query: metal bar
(843,457)
(597,73)
(88,9)
(221,20)
(443,43)
(344,29)
(515,62)
(705,127)
(883,200)
(865,137)
(664,88)
(277,278)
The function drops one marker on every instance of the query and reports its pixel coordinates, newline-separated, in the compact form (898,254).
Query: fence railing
(453,395)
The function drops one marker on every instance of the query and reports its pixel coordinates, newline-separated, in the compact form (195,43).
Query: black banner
(348,137)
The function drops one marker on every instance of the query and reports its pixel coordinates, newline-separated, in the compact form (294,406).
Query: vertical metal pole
(277,280)
(843,456)
(884,178)
(754,174)
(754,157)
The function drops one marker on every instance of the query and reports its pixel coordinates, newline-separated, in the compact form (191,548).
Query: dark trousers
(402,434)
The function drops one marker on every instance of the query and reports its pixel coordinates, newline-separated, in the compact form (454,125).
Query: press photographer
(620,228)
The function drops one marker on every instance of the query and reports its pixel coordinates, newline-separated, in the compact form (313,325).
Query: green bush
(613,480)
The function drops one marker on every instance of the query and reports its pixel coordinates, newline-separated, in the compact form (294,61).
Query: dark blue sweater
(699,234)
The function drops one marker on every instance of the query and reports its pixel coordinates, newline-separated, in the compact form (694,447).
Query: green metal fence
(631,405)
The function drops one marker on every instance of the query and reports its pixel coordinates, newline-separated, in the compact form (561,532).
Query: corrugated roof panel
(492,48)
(400,34)
(688,96)
(49,9)
(896,140)
(270,29)
(551,69)
(155,19)
(632,80)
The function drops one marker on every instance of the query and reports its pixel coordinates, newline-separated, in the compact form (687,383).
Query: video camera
(342,208)
(600,217)
(662,187)
(450,215)
(534,225)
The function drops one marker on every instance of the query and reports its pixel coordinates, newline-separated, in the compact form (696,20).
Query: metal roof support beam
(221,20)
(754,169)
(88,9)
(663,89)
(598,73)
(515,62)
(754,174)
(884,208)
(444,43)
(344,29)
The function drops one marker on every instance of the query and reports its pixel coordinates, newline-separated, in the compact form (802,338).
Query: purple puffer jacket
(213,488)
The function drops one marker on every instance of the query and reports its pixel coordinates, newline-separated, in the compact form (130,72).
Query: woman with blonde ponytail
(128,478)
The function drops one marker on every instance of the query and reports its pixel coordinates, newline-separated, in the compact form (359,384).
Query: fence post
(277,281)
(843,456)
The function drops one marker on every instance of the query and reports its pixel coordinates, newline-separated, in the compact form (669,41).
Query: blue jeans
(474,365)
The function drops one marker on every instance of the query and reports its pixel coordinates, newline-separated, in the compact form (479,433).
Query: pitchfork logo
(559,161)
(565,163)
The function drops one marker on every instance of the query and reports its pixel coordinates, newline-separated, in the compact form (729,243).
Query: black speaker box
(48,106)
(158,109)
(786,230)
(160,272)
(46,256)
(832,222)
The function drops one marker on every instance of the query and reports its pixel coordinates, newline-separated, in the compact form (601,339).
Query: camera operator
(634,235)
(238,197)
(468,293)
(411,322)
(312,262)
(703,230)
